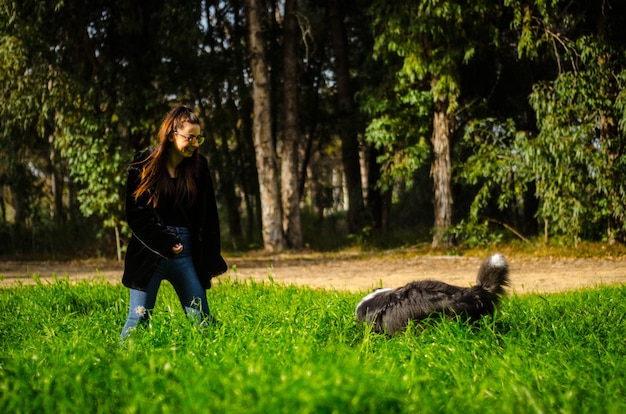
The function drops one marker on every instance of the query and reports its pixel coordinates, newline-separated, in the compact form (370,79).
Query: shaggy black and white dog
(389,310)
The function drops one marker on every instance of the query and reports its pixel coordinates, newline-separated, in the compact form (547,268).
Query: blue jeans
(181,273)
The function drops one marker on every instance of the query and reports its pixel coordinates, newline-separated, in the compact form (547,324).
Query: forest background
(361,121)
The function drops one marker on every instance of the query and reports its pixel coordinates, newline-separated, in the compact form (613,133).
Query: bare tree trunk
(118,241)
(245,142)
(615,220)
(57,188)
(267,164)
(441,171)
(349,142)
(378,202)
(291,134)
(54,169)
(3,207)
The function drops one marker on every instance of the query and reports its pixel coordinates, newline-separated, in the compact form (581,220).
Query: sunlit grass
(289,349)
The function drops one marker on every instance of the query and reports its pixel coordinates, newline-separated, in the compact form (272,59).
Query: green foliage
(52,102)
(85,84)
(97,163)
(497,168)
(575,160)
(473,234)
(406,150)
(23,159)
(288,349)
(431,38)
(577,156)
(496,164)
(426,46)
(542,25)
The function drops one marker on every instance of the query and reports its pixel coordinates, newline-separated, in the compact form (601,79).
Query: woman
(172,213)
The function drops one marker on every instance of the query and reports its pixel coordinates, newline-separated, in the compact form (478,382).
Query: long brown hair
(154,177)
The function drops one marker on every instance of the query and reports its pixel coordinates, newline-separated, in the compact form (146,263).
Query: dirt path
(355,271)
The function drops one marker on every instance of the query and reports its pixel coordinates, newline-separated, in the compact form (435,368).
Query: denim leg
(141,304)
(192,296)
(183,277)
(180,271)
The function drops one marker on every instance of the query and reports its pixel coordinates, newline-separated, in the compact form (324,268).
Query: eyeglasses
(192,139)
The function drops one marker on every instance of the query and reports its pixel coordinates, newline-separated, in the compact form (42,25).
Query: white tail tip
(497,260)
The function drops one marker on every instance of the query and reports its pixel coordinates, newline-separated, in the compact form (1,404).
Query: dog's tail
(493,274)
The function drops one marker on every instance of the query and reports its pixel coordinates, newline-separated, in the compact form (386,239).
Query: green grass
(289,349)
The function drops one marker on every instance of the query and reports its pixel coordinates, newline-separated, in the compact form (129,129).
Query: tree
(93,99)
(428,42)
(346,118)
(578,157)
(36,90)
(267,163)
(85,85)
(574,158)
(291,129)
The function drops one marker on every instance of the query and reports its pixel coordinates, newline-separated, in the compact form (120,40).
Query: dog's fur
(390,310)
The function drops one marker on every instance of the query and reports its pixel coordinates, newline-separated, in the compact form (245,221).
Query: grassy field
(295,350)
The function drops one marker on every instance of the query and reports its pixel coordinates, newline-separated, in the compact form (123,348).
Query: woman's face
(184,141)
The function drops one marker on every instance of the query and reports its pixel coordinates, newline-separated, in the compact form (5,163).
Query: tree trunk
(229,196)
(378,202)
(118,241)
(55,171)
(248,177)
(441,171)
(57,187)
(615,221)
(291,134)
(346,124)
(267,164)
(3,207)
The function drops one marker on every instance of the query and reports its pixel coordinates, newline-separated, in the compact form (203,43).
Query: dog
(390,310)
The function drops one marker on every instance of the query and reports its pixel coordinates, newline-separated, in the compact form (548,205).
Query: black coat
(151,241)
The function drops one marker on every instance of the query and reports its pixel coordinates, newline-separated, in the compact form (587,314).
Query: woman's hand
(178,247)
